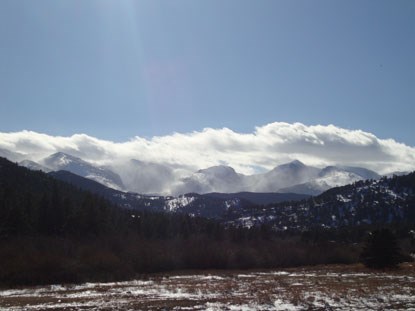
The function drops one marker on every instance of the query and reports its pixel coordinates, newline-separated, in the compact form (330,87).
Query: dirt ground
(335,287)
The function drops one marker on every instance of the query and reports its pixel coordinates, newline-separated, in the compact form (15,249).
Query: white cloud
(266,147)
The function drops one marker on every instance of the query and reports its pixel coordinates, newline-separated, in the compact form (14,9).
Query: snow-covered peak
(62,161)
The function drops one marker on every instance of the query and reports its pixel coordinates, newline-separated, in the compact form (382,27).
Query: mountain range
(158,179)
(381,201)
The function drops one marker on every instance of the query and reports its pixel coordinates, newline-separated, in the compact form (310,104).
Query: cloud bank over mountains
(263,149)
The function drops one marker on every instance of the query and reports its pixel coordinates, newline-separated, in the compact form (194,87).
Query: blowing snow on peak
(65,162)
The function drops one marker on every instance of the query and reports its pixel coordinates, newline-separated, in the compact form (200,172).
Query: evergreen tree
(381,250)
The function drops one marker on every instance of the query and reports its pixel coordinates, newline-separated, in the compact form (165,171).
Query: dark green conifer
(381,250)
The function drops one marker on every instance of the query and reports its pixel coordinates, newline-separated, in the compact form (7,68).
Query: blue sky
(117,69)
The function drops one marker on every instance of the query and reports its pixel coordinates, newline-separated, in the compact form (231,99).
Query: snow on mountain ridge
(62,161)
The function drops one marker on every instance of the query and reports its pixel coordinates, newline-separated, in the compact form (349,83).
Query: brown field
(335,287)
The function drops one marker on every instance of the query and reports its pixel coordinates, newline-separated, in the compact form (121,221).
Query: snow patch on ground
(300,289)
(279,304)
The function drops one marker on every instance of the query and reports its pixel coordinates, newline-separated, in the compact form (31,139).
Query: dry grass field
(336,287)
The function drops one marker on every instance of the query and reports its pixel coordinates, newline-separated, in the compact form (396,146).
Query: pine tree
(381,250)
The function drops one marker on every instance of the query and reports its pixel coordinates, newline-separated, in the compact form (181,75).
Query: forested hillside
(34,203)
(369,202)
